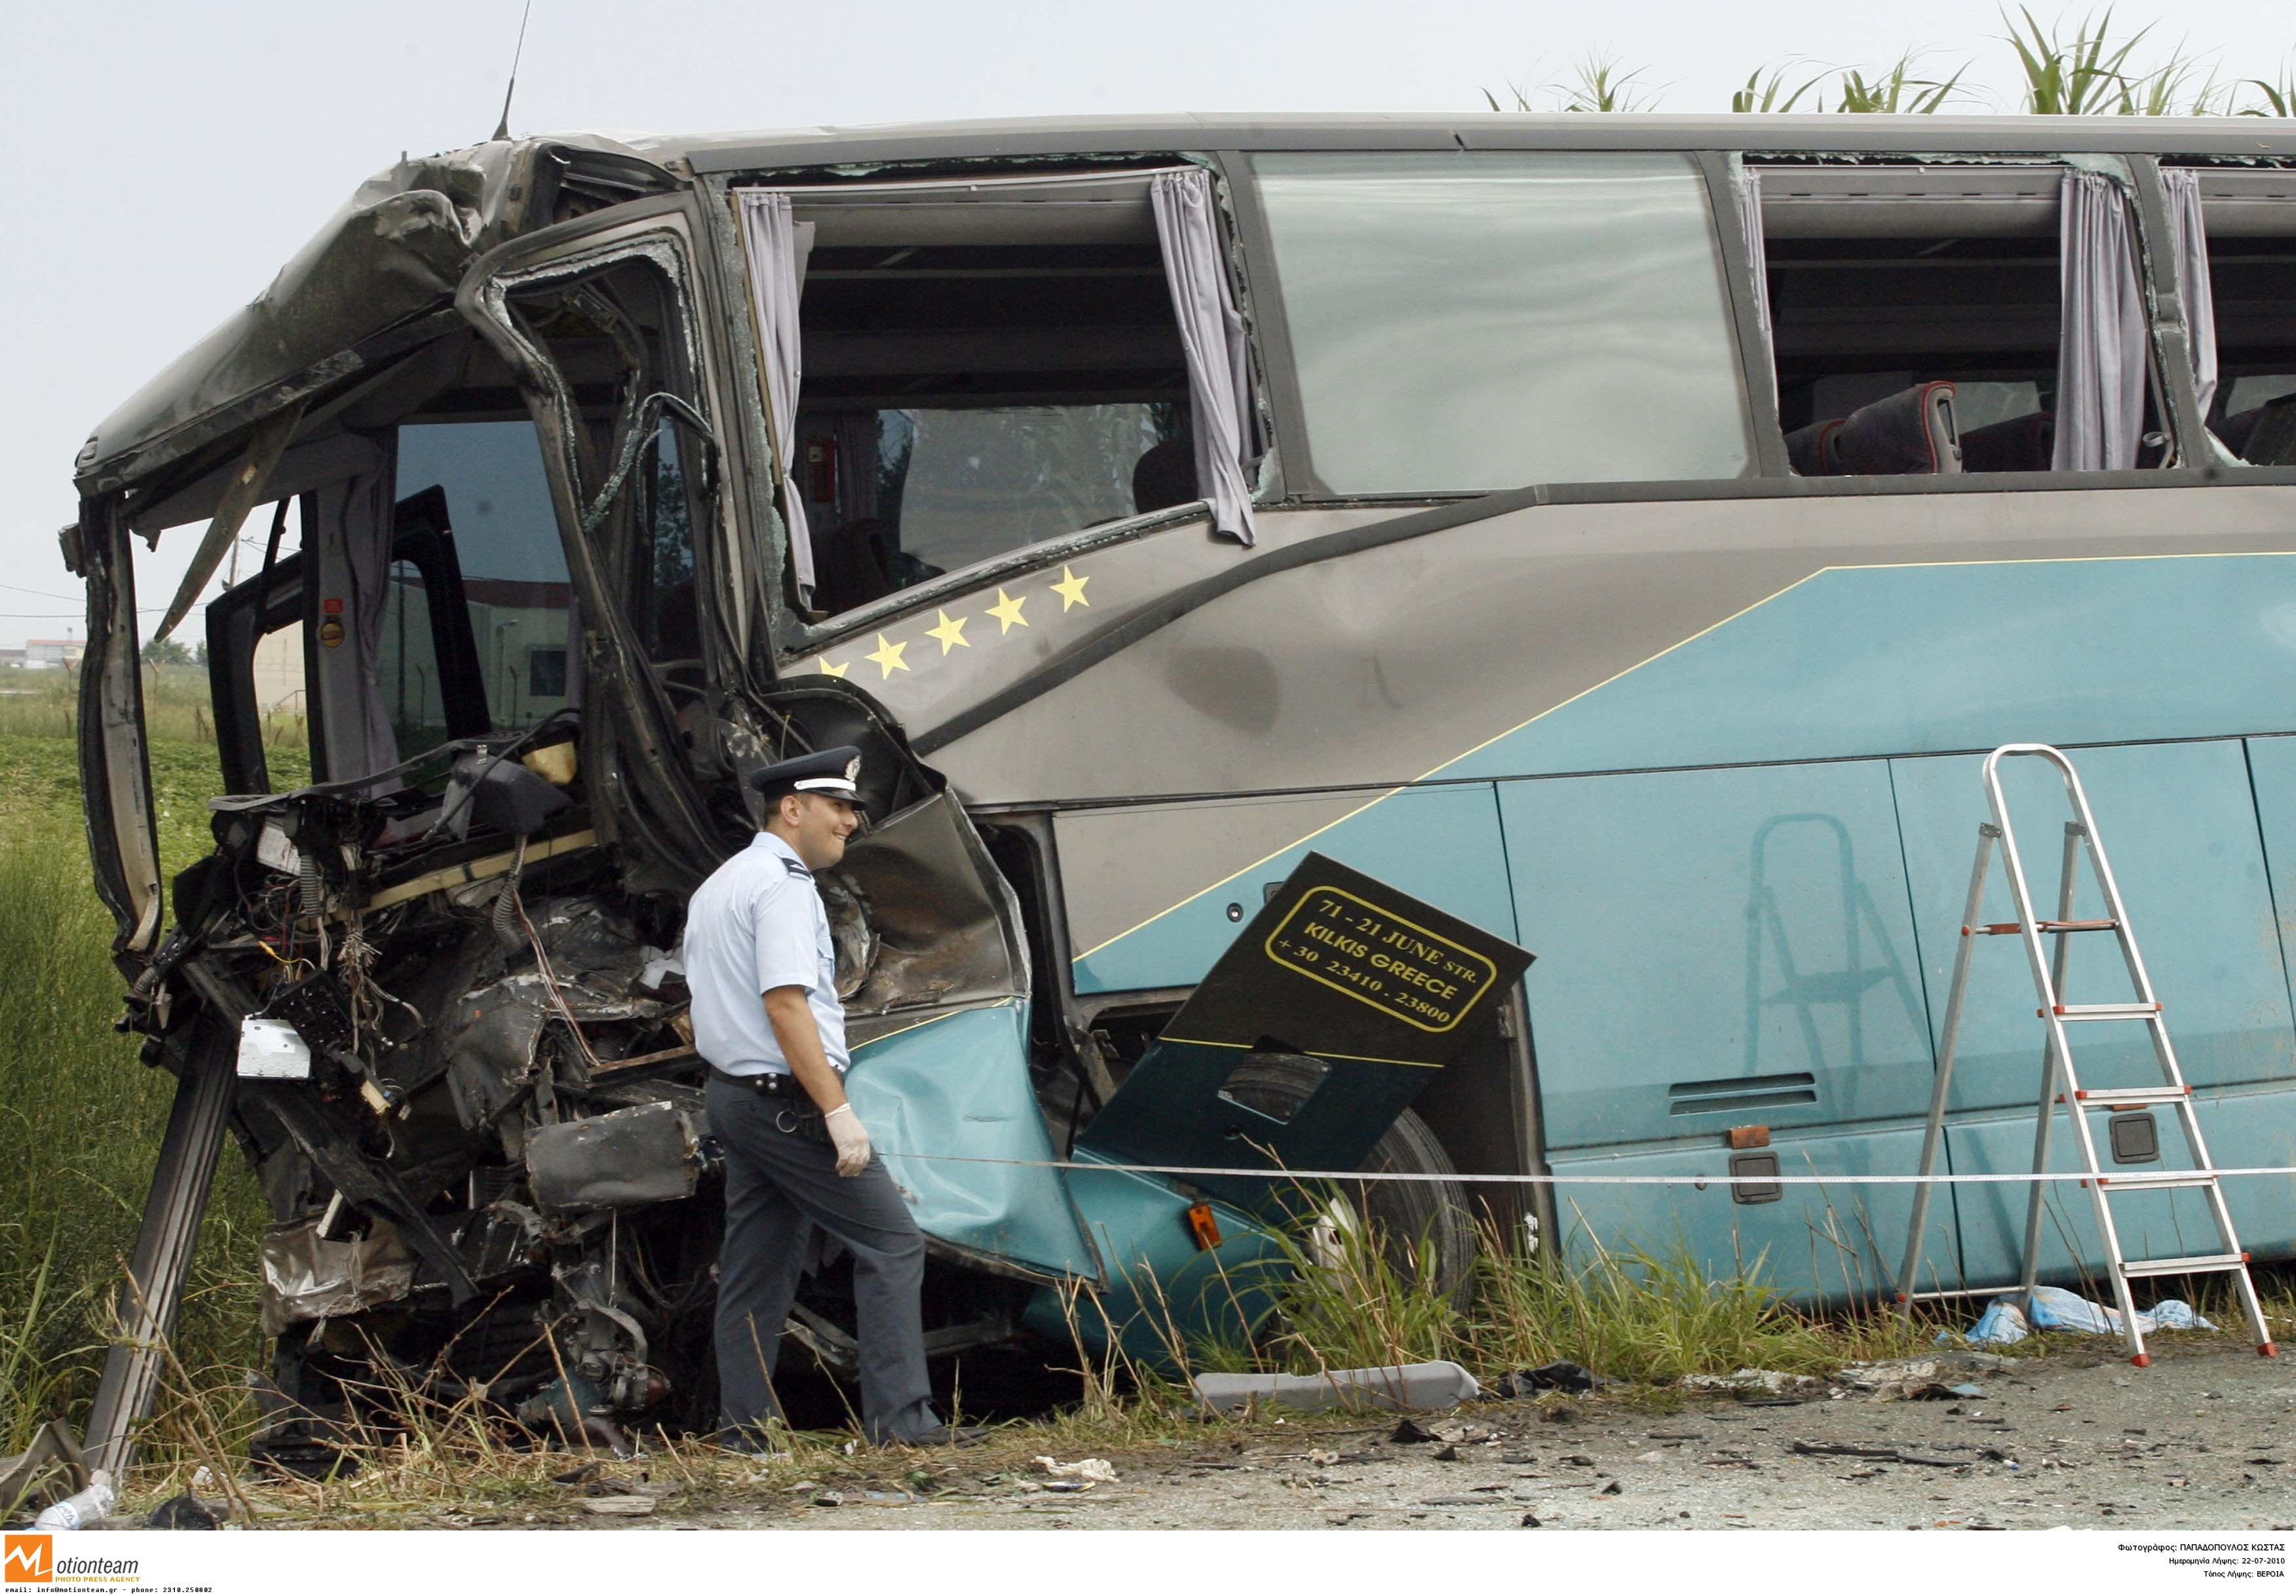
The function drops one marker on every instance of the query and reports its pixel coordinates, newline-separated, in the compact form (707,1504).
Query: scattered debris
(1558,1376)
(1530,1521)
(1963,1391)
(1449,1455)
(1095,1471)
(1408,1434)
(82,1509)
(54,1451)
(1875,1454)
(1404,1387)
(1611,1488)
(1889,1374)
(618,1507)
(2005,1323)
(186,1511)
(1771,1382)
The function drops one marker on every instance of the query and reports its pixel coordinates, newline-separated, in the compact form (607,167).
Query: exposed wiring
(509,895)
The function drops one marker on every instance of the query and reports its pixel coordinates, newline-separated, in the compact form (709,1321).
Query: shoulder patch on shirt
(797,870)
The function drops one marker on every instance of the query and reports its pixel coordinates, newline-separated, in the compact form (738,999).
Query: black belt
(798,1114)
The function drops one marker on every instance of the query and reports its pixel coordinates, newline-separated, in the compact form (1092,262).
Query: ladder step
(1962,1292)
(2217,1264)
(2104,1012)
(2010,928)
(2167,1180)
(2119,1097)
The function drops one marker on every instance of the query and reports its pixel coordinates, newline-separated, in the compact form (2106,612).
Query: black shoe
(946,1435)
(746,1440)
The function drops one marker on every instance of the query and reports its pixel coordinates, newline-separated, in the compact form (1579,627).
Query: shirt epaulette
(797,870)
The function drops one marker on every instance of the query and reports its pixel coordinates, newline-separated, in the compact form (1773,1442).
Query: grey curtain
(1212,333)
(2102,339)
(774,245)
(2189,238)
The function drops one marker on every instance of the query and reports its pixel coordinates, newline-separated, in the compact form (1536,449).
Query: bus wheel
(1398,1213)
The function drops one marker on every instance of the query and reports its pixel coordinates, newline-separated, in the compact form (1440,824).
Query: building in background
(48,653)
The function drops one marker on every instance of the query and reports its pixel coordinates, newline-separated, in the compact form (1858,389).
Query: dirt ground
(2204,1439)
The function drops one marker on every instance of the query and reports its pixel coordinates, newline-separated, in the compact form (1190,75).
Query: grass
(2086,67)
(80,1118)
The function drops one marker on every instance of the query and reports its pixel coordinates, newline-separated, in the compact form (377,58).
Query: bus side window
(2249,242)
(1915,316)
(987,365)
(1484,320)
(256,673)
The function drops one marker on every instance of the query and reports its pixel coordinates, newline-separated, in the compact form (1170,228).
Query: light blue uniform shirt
(758,924)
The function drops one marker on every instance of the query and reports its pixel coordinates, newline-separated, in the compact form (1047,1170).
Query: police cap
(832,773)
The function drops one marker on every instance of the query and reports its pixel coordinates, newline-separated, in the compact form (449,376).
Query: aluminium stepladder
(2060,1085)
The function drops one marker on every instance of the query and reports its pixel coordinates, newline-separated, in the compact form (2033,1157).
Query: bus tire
(1400,1212)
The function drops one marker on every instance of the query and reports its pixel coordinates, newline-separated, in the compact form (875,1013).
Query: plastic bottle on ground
(83,1509)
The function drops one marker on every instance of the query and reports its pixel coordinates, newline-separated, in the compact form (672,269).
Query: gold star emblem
(888,656)
(1070,587)
(951,633)
(1007,612)
(828,669)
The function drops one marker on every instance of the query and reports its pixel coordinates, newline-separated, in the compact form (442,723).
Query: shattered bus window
(955,486)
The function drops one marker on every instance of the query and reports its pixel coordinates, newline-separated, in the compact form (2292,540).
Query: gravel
(2204,1439)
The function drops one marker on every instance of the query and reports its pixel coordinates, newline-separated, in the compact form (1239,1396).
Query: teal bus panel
(1169,1300)
(1717,948)
(958,1086)
(1876,660)
(2272,777)
(2256,1130)
(1438,844)
(2179,825)
(1832,1242)
(2244,1129)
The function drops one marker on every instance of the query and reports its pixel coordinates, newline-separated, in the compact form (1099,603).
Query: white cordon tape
(2141,1181)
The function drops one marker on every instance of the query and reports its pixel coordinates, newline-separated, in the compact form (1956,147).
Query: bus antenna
(502,129)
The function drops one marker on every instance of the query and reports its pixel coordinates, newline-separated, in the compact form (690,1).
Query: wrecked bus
(1619,538)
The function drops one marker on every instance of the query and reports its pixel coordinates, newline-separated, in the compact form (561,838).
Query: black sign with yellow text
(1382,988)
(1339,964)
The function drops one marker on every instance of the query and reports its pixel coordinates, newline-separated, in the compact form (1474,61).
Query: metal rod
(2028,1267)
(1933,1132)
(162,1258)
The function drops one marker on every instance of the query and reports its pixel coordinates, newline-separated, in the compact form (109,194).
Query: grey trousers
(778,1187)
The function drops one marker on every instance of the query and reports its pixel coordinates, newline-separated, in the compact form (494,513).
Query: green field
(80,1118)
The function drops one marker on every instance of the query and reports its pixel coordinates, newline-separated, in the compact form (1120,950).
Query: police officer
(767,1017)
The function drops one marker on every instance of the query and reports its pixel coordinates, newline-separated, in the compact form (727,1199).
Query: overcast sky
(165,160)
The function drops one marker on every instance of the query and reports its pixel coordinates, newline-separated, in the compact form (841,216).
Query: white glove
(852,1137)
